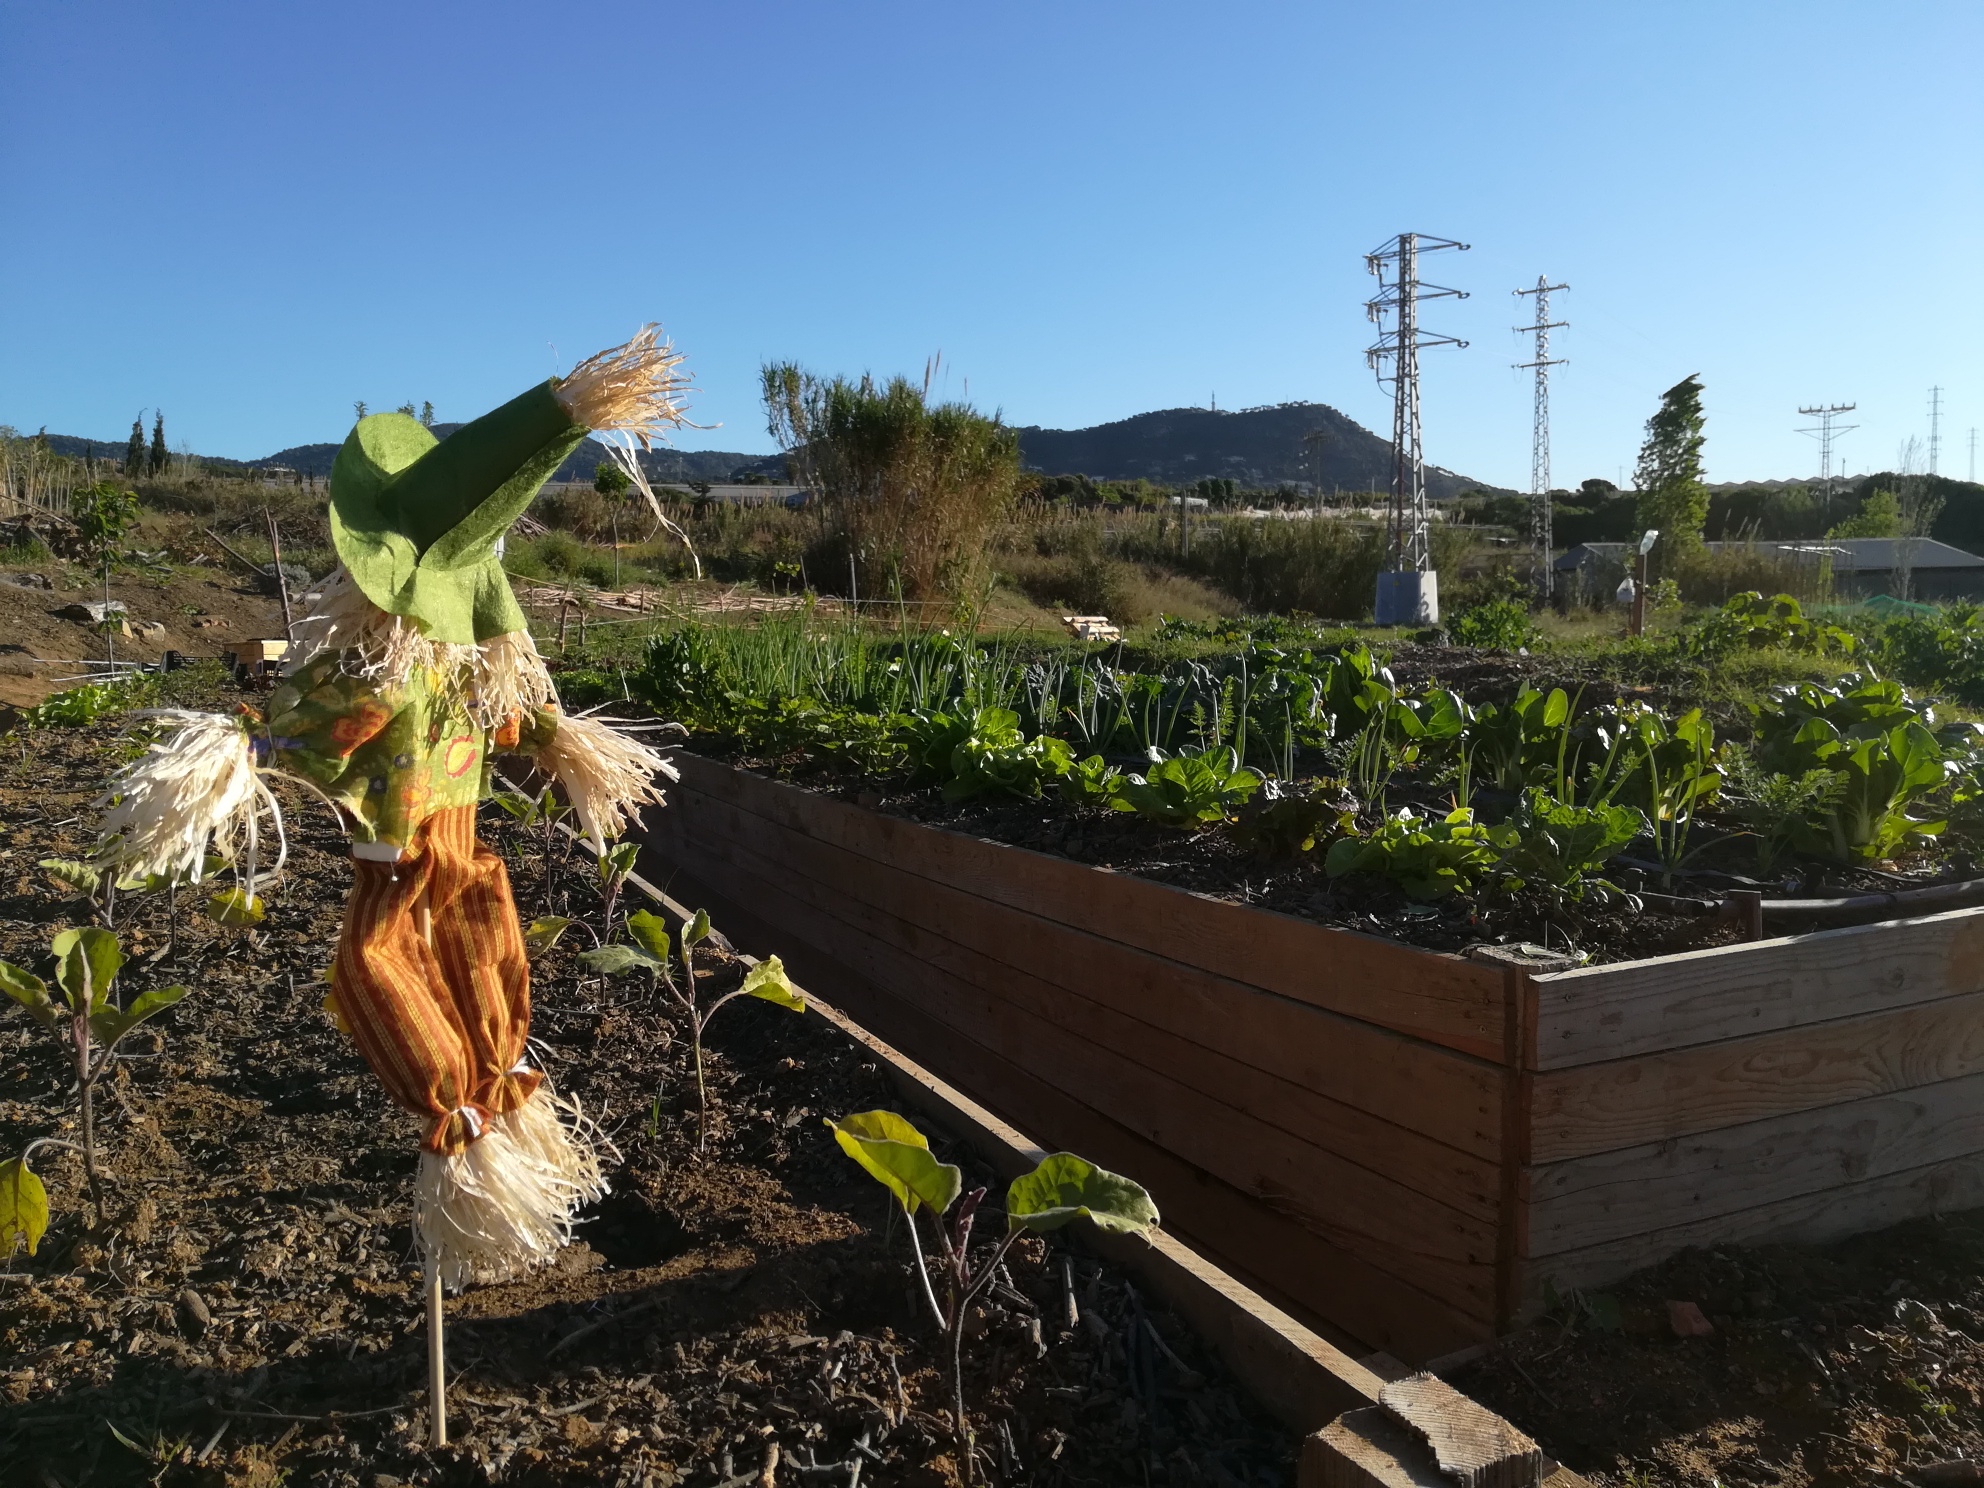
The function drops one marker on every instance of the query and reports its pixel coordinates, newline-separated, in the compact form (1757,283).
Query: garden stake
(414,667)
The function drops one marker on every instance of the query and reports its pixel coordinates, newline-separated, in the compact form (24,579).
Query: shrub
(1499,625)
(914,488)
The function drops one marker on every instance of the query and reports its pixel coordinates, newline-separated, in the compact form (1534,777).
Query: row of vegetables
(1295,750)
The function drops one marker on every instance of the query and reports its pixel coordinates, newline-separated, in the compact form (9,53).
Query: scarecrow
(413,668)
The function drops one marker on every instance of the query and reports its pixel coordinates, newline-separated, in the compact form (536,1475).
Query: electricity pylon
(1540,540)
(1824,431)
(1408,591)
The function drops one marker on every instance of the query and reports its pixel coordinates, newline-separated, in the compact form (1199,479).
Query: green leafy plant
(1672,772)
(1878,740)
(1781,811)
(613,867)
(995,758)
(649,952)
(1060,1190)
(81,1010)
(23,1202)
(1292,824)
(1560,847)
(1748,621)
(1091,782)
(1190,789)
(1427,857)
(1501,625)
(80,706)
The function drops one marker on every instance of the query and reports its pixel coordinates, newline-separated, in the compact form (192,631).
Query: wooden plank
(1809,1219)
(1444,999)
(1450,1097)
(1268,1250)
(1613,1195)
(1462,1180)
(1601,1107)
(1446,1252)
(1367,1449)
(1474,1447)
(1700,997)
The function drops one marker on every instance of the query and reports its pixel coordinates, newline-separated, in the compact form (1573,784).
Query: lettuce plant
(1062,1189)
(1560,846)
(1427,857)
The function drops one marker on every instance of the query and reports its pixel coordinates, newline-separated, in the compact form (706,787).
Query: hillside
(1255,446)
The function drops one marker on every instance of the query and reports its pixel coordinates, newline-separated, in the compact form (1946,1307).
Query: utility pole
(1409,589)
(1540,541)
(1935,426)
(1824,431)
(1973,456)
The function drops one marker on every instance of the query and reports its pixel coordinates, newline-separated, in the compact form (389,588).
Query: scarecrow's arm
(606,774)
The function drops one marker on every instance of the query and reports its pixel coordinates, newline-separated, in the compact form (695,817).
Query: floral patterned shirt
(389,758)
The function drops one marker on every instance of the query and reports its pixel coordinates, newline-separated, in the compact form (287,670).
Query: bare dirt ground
(203,614)
(247,1312)
(1831,1366)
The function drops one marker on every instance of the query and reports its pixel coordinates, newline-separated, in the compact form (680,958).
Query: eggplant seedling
(649,953)
(1061,1189)
(87,1018)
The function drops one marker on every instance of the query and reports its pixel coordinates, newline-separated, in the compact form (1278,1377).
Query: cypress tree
(1673,496)
(158,456)
(134,448)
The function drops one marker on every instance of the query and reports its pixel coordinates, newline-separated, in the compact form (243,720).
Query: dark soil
(1855,1363)
(1662,917)
(248,1309)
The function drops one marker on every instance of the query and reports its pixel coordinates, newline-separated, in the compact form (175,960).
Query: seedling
(87,1017)
(1061,1189)
(649,953)
(615,866)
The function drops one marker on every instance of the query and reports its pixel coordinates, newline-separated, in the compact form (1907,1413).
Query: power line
(1540,540)
(1935,426)
(1825,431)
(1408,591)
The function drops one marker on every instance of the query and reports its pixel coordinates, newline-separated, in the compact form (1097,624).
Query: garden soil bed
(250,1308)
(1834,1366)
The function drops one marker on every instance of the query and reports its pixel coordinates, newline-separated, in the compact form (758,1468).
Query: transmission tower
(1824,431)
(1408,592)
(1935,426)
(1539,437)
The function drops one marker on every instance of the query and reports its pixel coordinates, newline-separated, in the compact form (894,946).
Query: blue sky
(251,215)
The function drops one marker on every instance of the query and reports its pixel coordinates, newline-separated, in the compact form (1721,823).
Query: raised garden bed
(1406,1146)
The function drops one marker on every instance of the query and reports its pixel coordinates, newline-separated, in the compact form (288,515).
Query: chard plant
(81,1010)
(1427,857)
(649,952)
(1062,1189)
(1191,789)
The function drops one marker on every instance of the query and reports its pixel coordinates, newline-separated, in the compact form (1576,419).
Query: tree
(359,408)
(134,448)
(914,488)
(158,459)
(1673,497)
(610,480)
(427,413)
(1879,516)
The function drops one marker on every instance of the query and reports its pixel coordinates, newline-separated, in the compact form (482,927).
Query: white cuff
(376,852)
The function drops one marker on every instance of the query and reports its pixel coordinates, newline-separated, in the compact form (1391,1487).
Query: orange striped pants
(443,1024)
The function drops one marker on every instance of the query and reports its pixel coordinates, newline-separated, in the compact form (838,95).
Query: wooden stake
(437,1366)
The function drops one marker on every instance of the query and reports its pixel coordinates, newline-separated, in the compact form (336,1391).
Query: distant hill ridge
(1256,447)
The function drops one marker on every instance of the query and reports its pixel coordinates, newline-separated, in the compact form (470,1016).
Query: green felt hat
(416,519)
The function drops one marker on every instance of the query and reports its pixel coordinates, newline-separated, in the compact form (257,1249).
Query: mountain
(1254,446)
(1257,447)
